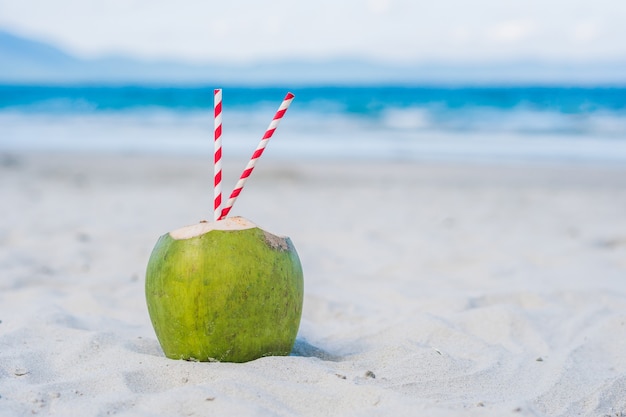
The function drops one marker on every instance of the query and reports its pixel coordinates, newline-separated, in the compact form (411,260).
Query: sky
(394,31)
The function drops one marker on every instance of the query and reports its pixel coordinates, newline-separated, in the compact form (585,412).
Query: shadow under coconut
(301,348)
(305,349)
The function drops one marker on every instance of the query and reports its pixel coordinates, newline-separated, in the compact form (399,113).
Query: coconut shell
(224,295)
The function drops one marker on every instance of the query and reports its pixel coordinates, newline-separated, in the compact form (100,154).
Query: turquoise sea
(533,124)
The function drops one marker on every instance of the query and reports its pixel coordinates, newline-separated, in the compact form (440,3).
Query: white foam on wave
(521,120)
(406,134)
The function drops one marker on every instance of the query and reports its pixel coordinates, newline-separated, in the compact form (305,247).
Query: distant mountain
(27,61)
(24,58)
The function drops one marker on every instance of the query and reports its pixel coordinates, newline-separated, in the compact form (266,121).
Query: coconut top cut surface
(228,224)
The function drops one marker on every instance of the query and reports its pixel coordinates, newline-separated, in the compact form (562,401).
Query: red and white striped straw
(257,154)
(217,154)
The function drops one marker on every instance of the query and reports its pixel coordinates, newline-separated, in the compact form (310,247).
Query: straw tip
(289,96)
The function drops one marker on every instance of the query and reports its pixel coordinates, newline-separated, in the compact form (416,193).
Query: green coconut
(224,291)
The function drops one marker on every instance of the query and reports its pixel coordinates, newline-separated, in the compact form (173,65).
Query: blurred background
(487,80)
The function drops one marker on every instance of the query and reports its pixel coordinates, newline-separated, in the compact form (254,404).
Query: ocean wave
(338,123)
(551,110)
(519,120)
(298,137)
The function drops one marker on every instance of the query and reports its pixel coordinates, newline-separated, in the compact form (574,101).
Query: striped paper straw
(217,154)
(257,154)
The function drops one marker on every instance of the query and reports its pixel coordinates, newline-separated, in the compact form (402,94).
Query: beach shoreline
(441,288)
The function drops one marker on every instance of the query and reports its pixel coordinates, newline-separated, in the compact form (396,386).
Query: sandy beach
(432,289)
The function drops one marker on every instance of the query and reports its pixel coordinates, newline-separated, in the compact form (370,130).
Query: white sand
(431,289)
